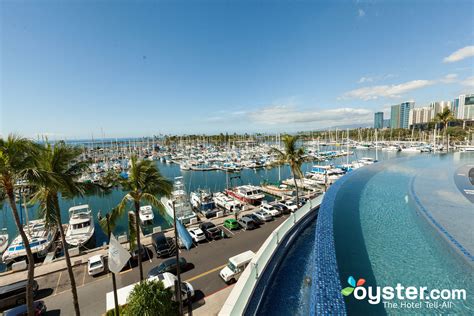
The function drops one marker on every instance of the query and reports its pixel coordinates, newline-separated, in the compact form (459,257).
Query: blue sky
(140,68)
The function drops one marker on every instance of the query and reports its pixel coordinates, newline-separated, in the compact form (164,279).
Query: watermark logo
(403,297)
(353,284)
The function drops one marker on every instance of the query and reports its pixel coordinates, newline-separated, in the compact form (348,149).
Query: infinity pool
(381,235)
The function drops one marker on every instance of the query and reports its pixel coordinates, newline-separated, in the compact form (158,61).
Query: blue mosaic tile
(326,296)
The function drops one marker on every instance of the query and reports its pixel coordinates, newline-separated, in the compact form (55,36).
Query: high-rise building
(455,106)
(395,116)
(378,120)
(400,114)
(466,107)
(422,115)
(386,123)
(405,108)
(439,106)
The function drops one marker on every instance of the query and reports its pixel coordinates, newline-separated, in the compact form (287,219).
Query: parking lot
(205,260)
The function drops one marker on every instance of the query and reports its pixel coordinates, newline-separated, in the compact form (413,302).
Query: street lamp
(178,274)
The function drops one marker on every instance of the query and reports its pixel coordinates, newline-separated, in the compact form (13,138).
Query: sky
(82,69)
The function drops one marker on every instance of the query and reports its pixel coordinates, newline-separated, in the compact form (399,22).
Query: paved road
(206,259)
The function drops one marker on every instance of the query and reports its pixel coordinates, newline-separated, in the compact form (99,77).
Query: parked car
(255,219)
(169,280)
(164,247)
(197,234)
(231,223)
(210,213)
(291,205)
(22,310)
(95,265)
(269,209)
(211,231)
(247,223)
(142,253)
(263,216)
(169,265)
(282,208)
(15,293)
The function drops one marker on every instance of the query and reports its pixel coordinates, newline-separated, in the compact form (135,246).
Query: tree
(144,183)
(150,298)
(57,172)
(444,118)
(16,159)
(293,156)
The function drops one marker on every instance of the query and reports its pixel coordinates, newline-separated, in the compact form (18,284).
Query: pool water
(289,292)
(380,237)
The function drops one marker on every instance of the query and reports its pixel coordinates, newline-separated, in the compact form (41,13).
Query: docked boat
(81,225)
(202,200)
(3,240)
(39,237)
(183,208)
(146,214)
(247,193)
(411,149)
(225,202)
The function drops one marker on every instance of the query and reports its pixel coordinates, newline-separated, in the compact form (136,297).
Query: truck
(236,266)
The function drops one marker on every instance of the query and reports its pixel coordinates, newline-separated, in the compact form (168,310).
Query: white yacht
(227,203)
(39,237)
(183,208)
(146,214)
(81,225)
(3,240)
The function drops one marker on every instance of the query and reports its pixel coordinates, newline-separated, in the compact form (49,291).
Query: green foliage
(150,298)
(291,154)
(144,183)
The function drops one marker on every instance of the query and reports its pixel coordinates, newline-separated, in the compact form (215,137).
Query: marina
(228,187)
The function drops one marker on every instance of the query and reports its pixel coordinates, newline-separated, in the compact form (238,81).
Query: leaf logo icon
(353,284)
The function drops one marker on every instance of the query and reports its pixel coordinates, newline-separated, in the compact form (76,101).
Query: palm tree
(292,156)
(144,183)
(16,159)
(444,118)
(57,172)
(151,298)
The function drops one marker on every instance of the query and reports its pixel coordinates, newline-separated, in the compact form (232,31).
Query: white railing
(240,295)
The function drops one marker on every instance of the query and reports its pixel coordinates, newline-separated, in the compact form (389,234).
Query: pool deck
(445,200)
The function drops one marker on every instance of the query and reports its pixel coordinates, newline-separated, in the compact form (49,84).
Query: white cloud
(361,13)
(365,79)
(386,91)
(449,78)
(468,82)
(282,114)
(460,54)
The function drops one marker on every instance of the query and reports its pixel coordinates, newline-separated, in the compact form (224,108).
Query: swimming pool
(371,222)
(381,236)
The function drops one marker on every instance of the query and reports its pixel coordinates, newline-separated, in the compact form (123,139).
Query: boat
(146,214)
(183,208)
(391,148)
(39,237)
(202,201)
(3,240)
(411,149)
(247,193)
(81,225)
(225,202)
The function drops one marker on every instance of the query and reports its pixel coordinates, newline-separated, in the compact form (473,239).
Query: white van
(236,266)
